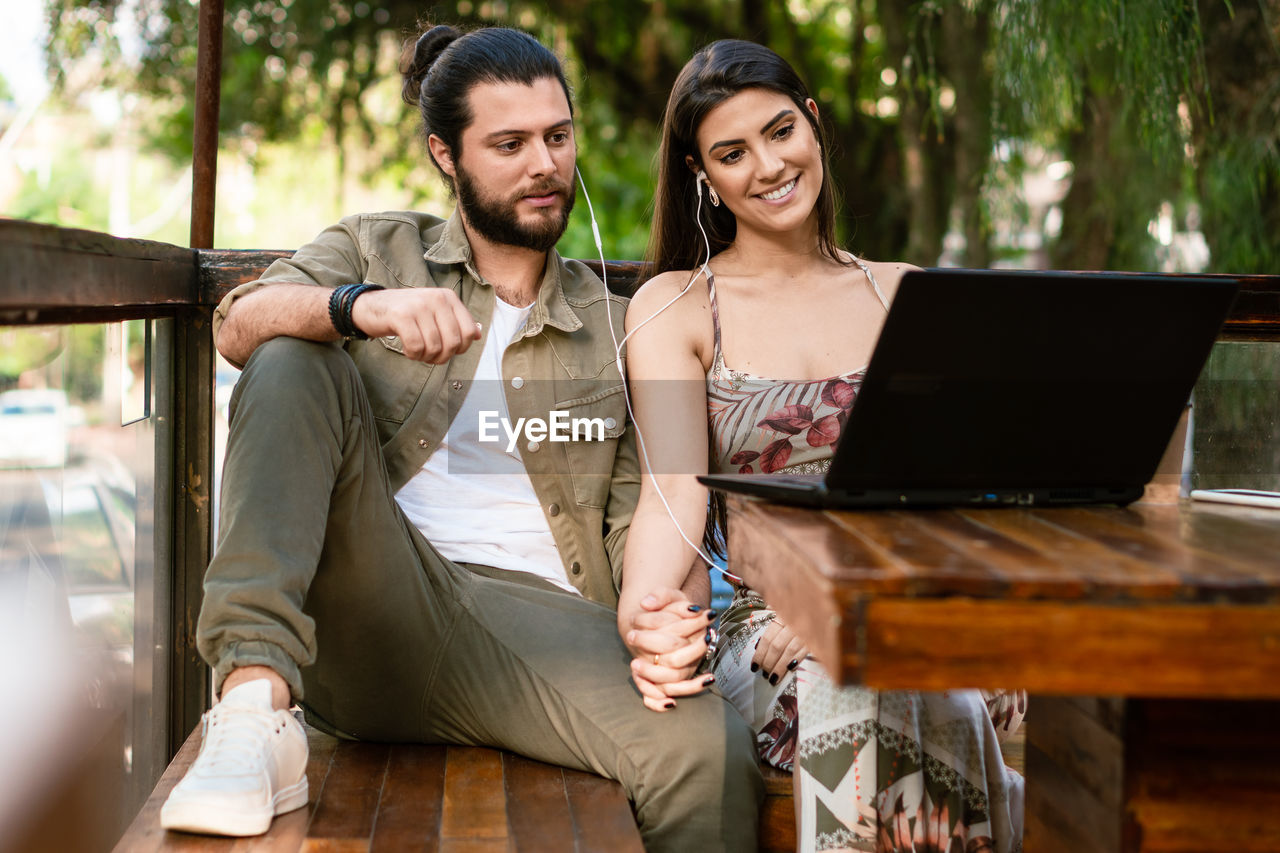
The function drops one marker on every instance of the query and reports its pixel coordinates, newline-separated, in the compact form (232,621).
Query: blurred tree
(65,196)
(918,93)
(1115,88)
(66,357)
(1237,146)
(23,350)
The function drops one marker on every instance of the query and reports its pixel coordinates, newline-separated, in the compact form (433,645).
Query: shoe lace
(238,739)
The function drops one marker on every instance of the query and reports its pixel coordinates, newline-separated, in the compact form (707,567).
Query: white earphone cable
(617,356)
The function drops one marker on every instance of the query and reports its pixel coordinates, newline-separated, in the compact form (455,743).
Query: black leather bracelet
(335,309)
(350,302)
(344,312)
(341,301)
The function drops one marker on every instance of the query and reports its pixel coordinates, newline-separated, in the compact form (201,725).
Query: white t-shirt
(473,500)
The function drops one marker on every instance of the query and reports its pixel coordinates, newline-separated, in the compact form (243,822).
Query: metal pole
(204,165)
(190,466)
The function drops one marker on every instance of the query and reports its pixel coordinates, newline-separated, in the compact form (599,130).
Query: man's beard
(496,219)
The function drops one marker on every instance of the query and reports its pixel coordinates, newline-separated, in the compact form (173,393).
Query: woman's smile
(781,192)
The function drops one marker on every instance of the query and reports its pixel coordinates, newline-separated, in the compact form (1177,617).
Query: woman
(751,285)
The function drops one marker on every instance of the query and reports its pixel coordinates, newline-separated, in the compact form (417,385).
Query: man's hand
(432,323)
(668,639)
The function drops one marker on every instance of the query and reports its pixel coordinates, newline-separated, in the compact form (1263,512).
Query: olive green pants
(319,575)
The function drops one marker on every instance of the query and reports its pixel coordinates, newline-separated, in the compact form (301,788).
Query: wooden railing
(67,275)
(223,269)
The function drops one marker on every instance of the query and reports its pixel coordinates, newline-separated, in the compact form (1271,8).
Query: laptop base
(813,492)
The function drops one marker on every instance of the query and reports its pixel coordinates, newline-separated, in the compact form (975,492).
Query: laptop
(1012,388)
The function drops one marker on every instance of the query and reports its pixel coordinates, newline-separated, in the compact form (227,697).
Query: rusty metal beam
(192,448)
(204,171)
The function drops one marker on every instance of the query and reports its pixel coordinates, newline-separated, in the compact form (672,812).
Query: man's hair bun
(417,61)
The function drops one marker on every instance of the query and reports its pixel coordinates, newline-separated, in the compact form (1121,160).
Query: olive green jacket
(563,361)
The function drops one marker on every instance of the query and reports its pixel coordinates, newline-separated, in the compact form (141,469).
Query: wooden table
(1150,636)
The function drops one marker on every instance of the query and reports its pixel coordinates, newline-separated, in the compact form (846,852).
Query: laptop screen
(1001,379)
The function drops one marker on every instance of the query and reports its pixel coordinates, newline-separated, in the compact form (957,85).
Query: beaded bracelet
(341,301)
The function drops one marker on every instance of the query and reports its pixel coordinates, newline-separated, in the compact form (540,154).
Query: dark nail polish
(669,705)
(694,608)
(755,666)
(757,645)
(711,614)
(709,680)
(773,679)
(764,673)
(706,638)
(794,663)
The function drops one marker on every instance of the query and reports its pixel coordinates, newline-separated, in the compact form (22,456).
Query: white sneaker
(252,766)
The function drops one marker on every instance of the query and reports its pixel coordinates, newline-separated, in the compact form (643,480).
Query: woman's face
(763,159)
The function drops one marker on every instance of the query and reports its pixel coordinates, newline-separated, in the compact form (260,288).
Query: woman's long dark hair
(716,73)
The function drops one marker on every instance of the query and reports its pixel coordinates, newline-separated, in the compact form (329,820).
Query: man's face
(515,176)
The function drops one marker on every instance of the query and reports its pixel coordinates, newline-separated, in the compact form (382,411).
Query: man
(369,567)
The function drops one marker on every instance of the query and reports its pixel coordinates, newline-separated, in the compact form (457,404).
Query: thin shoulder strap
(875,285)
(717,362)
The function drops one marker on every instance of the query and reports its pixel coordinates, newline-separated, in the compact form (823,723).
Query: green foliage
(917,94)
(22,350)
(1050,54)
(69,356)
(1114,88)
(1240,185)
(1237,147)
(62,196)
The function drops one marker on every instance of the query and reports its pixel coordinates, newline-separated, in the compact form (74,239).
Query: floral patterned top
(760,425)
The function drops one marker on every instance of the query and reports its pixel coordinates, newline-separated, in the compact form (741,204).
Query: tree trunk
(967,36)
(1088,221)
(924,236)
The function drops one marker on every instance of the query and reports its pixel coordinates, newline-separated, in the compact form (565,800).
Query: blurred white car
(34,428)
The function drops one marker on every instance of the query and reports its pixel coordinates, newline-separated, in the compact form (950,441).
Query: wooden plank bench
(371,797)
(392,797)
